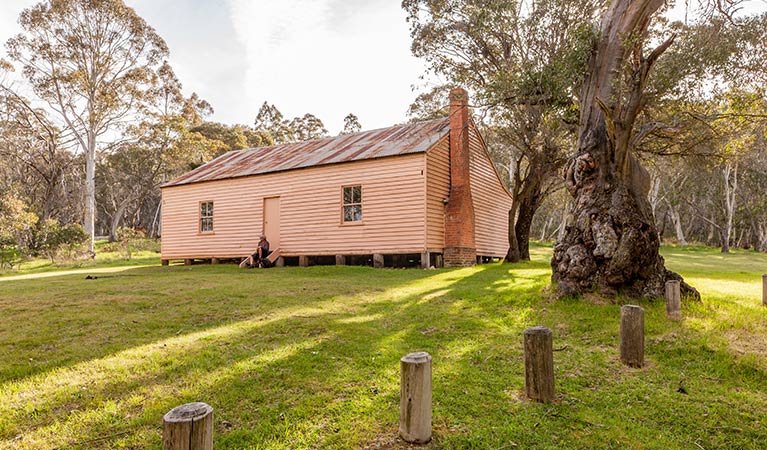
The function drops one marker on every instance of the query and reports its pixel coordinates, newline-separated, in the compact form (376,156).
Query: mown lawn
(296,358)
(106,257)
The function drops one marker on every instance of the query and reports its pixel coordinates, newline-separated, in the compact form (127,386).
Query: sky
(325,57)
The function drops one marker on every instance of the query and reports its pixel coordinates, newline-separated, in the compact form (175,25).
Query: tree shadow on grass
(68,320)
(215,361)
(322,371)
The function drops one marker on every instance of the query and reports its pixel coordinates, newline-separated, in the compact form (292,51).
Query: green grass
(104,259)
(309,357)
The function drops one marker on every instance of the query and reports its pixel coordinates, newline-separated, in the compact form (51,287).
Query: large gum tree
(611,243)
(94,63)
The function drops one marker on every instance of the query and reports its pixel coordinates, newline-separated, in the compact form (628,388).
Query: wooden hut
(424,190)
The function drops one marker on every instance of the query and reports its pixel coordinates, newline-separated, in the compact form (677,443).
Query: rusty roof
(397,140)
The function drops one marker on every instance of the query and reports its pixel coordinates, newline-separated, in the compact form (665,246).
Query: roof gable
(393,141)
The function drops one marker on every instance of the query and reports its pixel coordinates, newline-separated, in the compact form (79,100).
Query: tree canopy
(94,63)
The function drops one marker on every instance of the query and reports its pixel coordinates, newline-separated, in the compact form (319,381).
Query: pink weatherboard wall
(405,195)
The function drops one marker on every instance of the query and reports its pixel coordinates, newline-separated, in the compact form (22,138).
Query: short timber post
(673,300)
(378,261)
(425,259)
(764,289)
(188,262)
(303,261)
(280,262)
(214,260)
(188,427)
(632,335)
(415,398)
(340,260)
(165,262)
(539,364)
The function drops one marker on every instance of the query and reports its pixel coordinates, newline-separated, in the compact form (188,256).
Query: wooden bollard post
(632,335)
(378,260)
(539,364)
(764,289)
(188,427)
(673,300)
(425,260)
(415,398)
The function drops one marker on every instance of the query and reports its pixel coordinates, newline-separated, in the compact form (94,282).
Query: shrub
(137,244)
(70,240)
(130,240)
(16,222)
(9,252)
(53,240)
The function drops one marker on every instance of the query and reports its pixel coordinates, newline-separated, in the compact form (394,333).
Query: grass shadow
(315,364)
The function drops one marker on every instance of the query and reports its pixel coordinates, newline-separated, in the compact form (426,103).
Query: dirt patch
(742,342)
(597,299)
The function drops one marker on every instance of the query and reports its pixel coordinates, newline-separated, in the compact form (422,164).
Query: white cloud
(309,56)
(326,57)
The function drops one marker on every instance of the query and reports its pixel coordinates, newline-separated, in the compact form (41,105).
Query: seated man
(262,251)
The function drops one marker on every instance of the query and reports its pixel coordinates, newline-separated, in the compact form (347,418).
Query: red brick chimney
(460,249)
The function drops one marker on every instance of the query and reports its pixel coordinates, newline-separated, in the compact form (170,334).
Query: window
(206,217)
(353,204)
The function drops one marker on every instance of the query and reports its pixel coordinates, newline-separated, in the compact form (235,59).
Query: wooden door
(272,221)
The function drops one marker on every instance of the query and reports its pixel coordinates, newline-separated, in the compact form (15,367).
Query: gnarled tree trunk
(528,196)
(529,204)
(521,215)
(611,243)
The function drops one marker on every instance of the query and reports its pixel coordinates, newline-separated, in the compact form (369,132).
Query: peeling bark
(611,242)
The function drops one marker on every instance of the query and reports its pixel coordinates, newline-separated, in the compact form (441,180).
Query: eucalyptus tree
(754,196)
(737,127)
(270,120)
(171,138)
(38,165)
(273,126)
(93,62)
(351,124)
(307,128)
(611,243)
(522,60)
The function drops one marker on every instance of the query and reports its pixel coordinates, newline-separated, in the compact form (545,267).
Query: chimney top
(459,97)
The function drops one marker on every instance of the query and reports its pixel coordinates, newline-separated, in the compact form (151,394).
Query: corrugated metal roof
(397,140)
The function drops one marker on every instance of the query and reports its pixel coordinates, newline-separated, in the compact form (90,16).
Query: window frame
(200,217)
(344,205)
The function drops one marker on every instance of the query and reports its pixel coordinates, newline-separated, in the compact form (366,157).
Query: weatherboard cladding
(393,141)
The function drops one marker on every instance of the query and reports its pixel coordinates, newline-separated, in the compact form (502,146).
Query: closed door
(272,221)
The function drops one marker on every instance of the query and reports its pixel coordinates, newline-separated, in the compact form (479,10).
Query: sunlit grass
(308,357)
(104,259)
